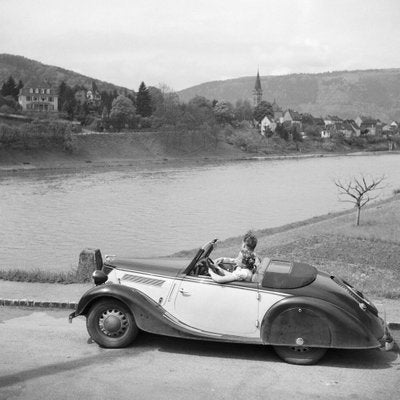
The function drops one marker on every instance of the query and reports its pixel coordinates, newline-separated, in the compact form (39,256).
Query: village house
(325,133)
(331,120)
(267,123)
(368,125)
(346,128)
(278,112)
(91,97)
(293,117)
(390,128)
(38,97)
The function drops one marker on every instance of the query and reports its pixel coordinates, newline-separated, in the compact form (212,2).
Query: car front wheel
(300,355)
(111,324)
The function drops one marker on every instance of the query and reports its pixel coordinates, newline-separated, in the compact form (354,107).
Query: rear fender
(315,323)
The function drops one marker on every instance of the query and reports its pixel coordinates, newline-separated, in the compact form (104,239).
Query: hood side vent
(143,280)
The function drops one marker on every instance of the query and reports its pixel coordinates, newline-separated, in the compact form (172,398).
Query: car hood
(159,266)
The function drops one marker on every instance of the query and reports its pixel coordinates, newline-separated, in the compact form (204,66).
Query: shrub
(312,131)
(37,134)
(144,122)
(328,146)
(5,109)
(357,141)
(94,124)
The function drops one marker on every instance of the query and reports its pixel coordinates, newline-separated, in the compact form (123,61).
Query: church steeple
(257,92)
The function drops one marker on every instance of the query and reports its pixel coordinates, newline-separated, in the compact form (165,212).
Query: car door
(228,309)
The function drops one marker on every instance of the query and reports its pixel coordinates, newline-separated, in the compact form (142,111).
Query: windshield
(203,252)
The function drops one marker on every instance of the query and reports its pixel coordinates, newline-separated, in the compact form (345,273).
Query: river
(48,216)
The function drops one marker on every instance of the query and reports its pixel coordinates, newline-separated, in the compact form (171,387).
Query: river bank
(90,150)
(22,161)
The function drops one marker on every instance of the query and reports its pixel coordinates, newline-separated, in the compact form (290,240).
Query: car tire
(300,355)
(111,324)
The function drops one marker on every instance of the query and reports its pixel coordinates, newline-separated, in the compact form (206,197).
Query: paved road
(44,357)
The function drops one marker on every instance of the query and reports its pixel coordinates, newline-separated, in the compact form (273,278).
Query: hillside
(346,94)
(33,71)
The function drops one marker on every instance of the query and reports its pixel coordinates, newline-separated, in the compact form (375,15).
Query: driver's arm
(227,277)
(226,263)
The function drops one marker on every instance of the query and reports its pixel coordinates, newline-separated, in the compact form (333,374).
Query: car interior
(202,266)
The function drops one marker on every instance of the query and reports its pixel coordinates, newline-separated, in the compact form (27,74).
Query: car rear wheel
(111,324)
(300,355)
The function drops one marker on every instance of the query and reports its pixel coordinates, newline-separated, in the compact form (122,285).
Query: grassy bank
(75,275)
(368,256)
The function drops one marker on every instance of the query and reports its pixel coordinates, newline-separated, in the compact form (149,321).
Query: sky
(182,43)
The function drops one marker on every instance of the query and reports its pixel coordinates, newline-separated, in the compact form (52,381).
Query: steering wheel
(201,267)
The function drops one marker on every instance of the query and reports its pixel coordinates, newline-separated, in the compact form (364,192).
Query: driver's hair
(250,240)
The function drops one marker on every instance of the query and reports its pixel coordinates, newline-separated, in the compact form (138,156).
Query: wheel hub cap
(113,323)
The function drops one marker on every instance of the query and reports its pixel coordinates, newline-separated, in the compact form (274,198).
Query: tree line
(9,95)
(158,108)
(148,108)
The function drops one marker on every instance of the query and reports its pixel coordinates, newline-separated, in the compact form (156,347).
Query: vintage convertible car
(297,309)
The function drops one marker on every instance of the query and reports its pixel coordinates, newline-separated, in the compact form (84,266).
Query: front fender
(149,315)
(315,323)
(114,291)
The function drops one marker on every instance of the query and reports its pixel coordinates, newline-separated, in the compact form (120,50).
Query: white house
(325,133)
(266,123)
(38,97)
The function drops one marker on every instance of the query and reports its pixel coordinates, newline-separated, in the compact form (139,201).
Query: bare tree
(358,189)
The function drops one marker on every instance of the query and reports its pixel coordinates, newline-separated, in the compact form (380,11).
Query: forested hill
(346,94)
(26,70)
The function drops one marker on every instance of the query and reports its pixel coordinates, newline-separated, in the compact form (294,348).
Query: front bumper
(71,317)
(387,340)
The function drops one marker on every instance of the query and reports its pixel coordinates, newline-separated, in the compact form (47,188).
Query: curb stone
(38,304)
